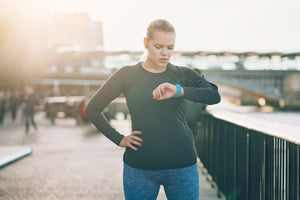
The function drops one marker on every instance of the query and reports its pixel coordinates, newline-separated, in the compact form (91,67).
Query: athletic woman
(160,149)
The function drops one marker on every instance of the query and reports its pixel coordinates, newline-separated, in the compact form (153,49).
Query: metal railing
(248,163)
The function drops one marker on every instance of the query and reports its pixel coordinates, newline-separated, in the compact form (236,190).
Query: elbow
(218,98)
(92,110)
(214,99)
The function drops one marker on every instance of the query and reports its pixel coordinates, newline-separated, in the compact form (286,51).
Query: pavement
(66,161)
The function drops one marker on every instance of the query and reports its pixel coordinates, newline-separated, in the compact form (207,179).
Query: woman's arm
(110,90)
(196,88)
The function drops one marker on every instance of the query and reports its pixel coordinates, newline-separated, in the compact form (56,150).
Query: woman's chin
(163,63)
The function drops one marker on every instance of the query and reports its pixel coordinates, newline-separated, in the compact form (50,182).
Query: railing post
(293,169)
(270,159)
(263,178)
(247,167)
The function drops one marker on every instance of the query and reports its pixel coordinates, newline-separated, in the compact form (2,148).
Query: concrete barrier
(9,155)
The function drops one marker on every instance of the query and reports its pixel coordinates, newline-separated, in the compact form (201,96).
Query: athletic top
(167,140)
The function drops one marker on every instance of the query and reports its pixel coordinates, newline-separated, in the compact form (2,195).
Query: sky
(210,25)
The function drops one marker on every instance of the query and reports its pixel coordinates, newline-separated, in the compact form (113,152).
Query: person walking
(2,105)
(160,149)
(30,103)
(13,104)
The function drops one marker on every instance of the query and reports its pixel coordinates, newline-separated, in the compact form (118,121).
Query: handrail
(286,132)
(249,158)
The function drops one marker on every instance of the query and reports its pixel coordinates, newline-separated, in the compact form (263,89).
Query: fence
(249,159)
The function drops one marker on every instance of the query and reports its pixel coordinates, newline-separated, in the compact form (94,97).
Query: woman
(160,150)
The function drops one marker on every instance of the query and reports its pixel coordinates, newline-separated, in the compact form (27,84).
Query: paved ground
(67,162)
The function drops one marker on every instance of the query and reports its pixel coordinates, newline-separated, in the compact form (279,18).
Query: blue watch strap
(178,93)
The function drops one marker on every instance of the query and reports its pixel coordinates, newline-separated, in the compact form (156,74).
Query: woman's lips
(163,59)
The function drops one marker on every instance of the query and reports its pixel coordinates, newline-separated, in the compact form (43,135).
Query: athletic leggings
(179,184)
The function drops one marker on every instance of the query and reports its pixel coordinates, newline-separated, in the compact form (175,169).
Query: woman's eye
(158,47)
(170,48)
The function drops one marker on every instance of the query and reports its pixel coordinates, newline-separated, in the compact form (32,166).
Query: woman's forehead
(163,38)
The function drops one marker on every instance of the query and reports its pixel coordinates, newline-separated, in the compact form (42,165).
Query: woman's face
(160,48)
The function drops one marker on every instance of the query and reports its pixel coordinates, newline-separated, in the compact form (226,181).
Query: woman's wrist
(182,92)
(179,92)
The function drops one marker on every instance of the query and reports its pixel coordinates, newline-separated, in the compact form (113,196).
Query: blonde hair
(159,25)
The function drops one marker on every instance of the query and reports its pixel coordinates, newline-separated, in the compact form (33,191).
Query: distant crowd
(10,102)
(28,103)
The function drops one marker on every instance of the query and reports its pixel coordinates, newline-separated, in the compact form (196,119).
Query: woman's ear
(145,43)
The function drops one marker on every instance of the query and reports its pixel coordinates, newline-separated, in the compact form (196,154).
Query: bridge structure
(275,87)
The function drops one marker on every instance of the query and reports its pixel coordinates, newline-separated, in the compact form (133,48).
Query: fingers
(158,92)
(132,147)
(136,132)
(136,138)
(155,94)
(135,142)
(164,91)
(132,139)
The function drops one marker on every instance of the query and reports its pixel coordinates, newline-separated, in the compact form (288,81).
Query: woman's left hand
(165,91)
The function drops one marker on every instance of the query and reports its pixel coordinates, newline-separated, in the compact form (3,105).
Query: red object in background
(81,112)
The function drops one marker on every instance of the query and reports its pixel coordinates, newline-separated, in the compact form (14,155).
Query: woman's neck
(150,66)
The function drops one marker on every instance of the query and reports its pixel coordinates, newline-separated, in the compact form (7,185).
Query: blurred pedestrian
(51,112)
(13,105)
(160,150)
(74,112)
(51,108)
(31,102)
(2,105)
(22,105)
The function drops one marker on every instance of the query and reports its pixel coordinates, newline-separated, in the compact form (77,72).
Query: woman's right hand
(128,140)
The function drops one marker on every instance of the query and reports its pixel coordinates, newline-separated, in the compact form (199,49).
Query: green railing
(249,159)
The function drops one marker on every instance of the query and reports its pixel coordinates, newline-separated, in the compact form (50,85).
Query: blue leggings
(181,184)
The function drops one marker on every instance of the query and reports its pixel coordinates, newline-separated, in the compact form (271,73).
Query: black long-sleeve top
(167,139)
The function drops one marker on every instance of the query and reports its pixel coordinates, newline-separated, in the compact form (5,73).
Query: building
(75,56)
(71,31)
(23,41)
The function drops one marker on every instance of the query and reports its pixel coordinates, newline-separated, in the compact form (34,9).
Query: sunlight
(23,25)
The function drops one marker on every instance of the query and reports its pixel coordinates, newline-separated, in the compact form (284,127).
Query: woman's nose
(164,51)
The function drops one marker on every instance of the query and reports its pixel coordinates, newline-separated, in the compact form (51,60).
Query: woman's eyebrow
(158,44)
